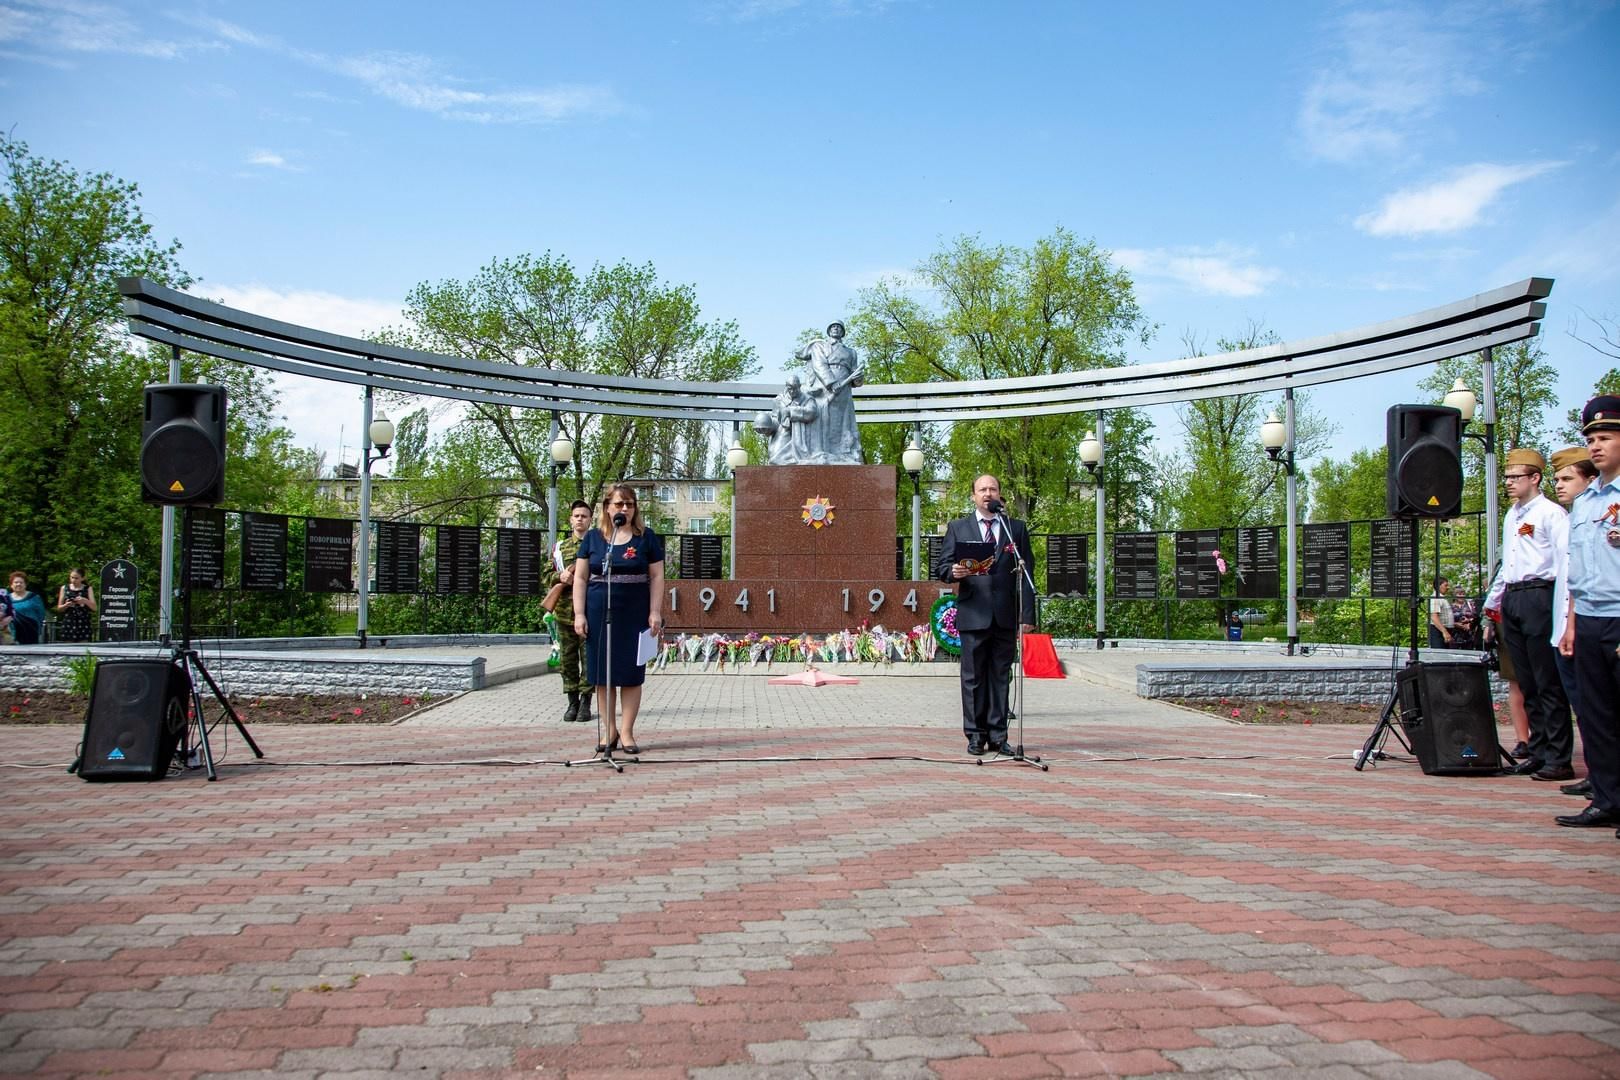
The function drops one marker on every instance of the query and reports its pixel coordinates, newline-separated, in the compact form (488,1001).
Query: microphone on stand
(995,506)
(619,520)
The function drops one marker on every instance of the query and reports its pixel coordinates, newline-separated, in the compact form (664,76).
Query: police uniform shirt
(1531,537)
(1594,562)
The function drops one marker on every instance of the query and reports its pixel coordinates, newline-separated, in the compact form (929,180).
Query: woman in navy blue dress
(637,555)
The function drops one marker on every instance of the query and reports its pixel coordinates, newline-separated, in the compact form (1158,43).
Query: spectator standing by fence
(75,603)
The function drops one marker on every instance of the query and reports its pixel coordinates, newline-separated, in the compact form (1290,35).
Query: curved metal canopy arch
(1498,317)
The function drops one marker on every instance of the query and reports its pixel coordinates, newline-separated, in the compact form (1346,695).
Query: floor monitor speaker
(136,720)
(1446,713)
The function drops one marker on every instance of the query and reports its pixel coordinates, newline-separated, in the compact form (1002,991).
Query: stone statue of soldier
(834,373)
(788,426)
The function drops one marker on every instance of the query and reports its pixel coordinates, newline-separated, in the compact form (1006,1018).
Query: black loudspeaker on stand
(137,720)
(183,445)
(1443,710)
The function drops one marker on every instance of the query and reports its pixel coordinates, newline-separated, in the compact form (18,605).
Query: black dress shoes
(1589,818)
(975,747)
(1520,749)
(1004,749)
(1579,787)
(1553,772)
(1526,767)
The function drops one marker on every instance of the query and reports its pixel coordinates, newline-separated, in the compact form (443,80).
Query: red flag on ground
(1040,658)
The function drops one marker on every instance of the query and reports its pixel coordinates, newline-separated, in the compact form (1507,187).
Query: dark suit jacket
(988,599)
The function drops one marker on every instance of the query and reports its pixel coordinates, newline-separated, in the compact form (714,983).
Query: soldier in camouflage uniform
(568,644)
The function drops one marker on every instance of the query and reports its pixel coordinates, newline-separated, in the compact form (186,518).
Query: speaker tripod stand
(191,661)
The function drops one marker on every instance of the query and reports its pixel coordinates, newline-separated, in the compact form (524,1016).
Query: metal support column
(1102,547)
(1293,523)
(365,518)
(1493,513)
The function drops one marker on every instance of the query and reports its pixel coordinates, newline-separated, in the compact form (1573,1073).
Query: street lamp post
(1277,436)
(1091,456)
(562,454)
(912,461)
(378,432)
(736,458)
(1463,400)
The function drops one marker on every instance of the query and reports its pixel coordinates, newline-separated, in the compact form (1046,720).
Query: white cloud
(1388,70)
(322,415)
(1218,271)
(83,26)
(420,82)
(269,159)
(353,316)
(1452,204)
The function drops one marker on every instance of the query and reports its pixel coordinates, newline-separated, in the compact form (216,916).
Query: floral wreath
(942,619)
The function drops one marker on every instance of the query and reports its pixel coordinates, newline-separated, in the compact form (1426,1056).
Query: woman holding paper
(626,556)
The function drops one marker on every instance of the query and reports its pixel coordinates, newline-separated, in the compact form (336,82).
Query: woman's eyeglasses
(626,505)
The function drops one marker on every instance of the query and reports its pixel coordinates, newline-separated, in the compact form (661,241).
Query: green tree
(1350,490)
(1603,339)
(1228,480)
(73,384)
(993,311)
(615,321)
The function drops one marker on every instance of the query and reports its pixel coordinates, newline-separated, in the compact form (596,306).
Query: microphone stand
(610,714)
(1023,575)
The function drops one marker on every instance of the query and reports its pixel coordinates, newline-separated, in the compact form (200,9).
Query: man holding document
(978,557)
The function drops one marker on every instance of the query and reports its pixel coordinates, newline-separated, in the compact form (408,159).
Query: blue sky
(1311,167)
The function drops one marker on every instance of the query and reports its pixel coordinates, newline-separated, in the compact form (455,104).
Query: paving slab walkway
(801,883)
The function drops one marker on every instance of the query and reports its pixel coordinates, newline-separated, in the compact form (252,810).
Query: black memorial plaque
(700,556)
(206,530)
(518,555)
(328,555)
(1197,576)
(399,556)
(1066,564)
(116,614)
(935,546)
(1392,558)
(1258,572)
(264,552)
(455,559)
(1136,566)
(1325,560)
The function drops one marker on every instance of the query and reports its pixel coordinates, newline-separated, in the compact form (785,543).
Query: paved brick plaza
(802,883)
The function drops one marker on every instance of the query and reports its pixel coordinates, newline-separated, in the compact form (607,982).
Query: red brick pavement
(375,901)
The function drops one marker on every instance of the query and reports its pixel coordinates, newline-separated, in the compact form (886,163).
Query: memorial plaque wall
(399,557)
(206,532)
(264,552)
(1258,572)
(700,556)
(455,559)
(936,545)
(116,607)
(1325,560)
(1197,576)
(1066,568)
(1136,566)
(1392,558)
(328,555)
(518,555)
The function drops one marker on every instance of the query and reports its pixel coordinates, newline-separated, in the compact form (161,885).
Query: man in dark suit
(987,613)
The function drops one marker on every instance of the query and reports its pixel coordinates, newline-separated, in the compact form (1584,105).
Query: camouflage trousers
(572,652)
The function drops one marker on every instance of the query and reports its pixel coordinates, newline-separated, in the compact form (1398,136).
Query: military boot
(584,714)
(572,712)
